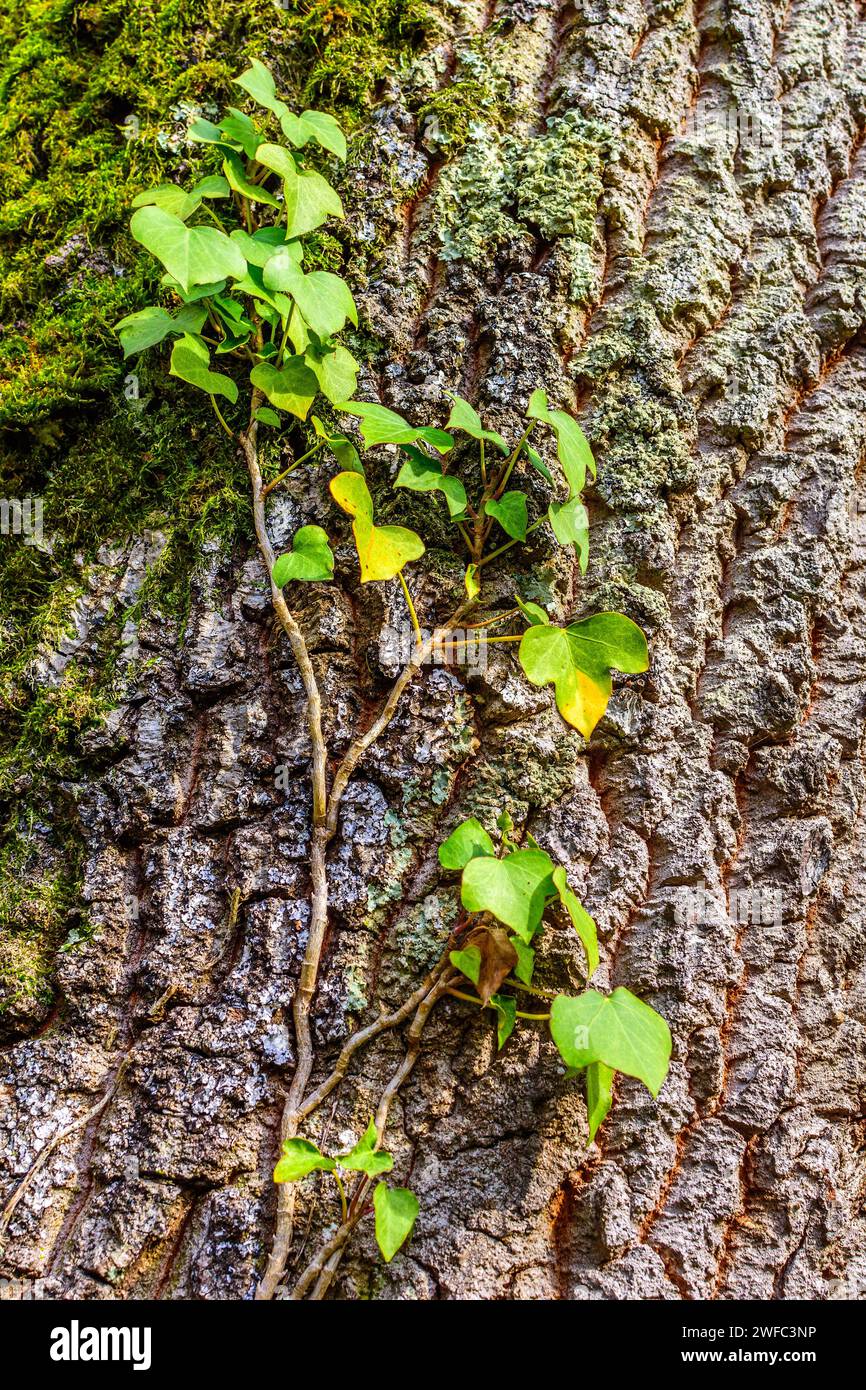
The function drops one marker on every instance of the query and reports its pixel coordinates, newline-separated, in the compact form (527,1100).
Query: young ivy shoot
(259,332)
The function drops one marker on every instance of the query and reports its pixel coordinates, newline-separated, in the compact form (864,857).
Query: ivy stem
(483,467)
(410,605)
(318,873)
(498,486)
(219,416)
(485,560)
(471,999)
(269,487)
(343,1207)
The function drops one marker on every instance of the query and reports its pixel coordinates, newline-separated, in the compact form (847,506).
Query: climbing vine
(260,335)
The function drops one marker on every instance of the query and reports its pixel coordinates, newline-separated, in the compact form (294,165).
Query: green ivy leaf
(152,325)
(514,889)
(238,129)
(192,296)
(532,612)
(169,196)
(464,417)
(570,524)
(310,558)
(336,371)
(617,1029)
(525,960)
(265,243)
(396,1210)
(468,841)
(342,448)
(235,171)
(471,581)
(510,511)
(599,1095)
(191,255)
(324,299)
(292,387)
(318,126)
(572,449)
(365,1158)
(538,463)
(310,201)
(258,83)
(506,1009)
(379,425)
(583,923)
(468,962)
(578,660)
(382,550)
(190,361)
(266,416)
(299,1158)
(205,132)
(423,474)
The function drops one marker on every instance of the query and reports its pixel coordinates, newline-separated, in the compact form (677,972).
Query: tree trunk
(657,212)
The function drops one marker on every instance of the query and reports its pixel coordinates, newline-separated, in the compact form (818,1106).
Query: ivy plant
(256,327)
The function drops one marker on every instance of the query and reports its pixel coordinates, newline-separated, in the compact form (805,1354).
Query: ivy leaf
(310,558)
(253,284)
(464,417)
(578,660)
(617,1029)
(258,83)
(468,841)
(396,1210)
(471,581)
(468,962)
(510,512)
(292,387)
(299,1158)
(211,186)
(525,960)
(599,1097)
(265,243)
(570,523)
(152,325)
(266,416)
(382,550)
(235,171)
(583,923)
(336,371)
(318,126)
(342,448)
(310,201)
(324,299)
(205,132)
(192,296)
(422,474)
(532,612)
(572,445)
(365,1158)
(191,255)
(506,1008)
(379,425)
(190,361)
(240,130)
(498,958)
(514,889)
(538,463)
(169,196)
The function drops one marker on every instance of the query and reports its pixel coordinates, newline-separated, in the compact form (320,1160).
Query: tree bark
(660,217)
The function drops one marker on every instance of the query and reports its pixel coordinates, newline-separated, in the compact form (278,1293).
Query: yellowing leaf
(577,662)
(382,550)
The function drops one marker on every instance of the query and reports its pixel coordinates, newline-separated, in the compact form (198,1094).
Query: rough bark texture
(660,215)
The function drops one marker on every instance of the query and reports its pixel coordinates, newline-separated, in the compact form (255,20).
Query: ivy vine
(244,309)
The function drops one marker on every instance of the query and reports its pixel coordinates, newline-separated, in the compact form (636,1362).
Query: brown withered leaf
(498,957)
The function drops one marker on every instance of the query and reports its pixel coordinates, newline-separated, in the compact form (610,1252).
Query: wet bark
(705,320)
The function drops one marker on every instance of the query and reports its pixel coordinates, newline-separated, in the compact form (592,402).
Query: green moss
(35,906)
